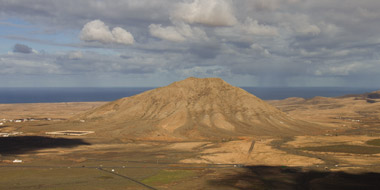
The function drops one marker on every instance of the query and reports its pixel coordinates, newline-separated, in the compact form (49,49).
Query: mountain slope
(195,108)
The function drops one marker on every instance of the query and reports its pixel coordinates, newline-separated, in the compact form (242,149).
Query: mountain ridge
(196,108)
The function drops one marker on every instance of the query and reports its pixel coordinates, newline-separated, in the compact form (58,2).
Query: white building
(17,161)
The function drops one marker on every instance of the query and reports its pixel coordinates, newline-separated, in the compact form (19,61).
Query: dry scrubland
(46,110)
(197,142)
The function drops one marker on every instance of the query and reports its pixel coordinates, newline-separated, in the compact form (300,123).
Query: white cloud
(166,33)
(97,30)
(177,33)
(207,12)
(253,27)
(303,25)
(308,30)
(121,36)
(75,55)
(67,63)
(339,70)
(28,64)
(329,29)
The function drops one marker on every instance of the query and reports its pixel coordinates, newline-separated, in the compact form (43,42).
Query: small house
(17,161)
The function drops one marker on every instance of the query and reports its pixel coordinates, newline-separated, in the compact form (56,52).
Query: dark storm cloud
(21,48)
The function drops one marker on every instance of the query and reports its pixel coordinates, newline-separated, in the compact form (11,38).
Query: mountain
(193,108)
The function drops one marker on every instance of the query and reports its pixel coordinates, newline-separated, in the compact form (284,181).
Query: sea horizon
(11,95)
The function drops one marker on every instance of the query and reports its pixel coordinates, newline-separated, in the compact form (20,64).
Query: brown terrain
(194,134)
(194,109)
(46,110)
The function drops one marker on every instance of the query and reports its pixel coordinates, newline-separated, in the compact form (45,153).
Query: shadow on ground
(24,144)
(267,177)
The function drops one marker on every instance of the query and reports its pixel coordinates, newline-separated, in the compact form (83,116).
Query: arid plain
(334,143)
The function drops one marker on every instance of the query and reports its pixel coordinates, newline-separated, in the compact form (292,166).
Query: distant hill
(371,97)
(193,108)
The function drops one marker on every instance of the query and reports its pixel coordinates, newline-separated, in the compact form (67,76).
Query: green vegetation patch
(168,176)
(354,149)
(60,179)
(374,142)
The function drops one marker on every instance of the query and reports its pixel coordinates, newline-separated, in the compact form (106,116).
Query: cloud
(253,27)
(265,5)
(304,25)
(206,71)
(70,14)
(166,33)
(34,64)
(256,38)
(177,33)
(339,70)
(208,50)
(259,49)
(207,12)
(66,63)
(308,30)
(75,55)
(21,48)
(98,31)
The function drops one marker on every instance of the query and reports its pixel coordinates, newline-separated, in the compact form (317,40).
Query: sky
(130,43)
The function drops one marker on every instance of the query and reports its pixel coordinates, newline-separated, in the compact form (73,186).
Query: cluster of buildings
(15,161)
(3,121)
(10,134)
(70,133)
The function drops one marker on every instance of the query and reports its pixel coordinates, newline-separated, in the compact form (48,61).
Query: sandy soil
(236,152)
(341,113)
(308,141)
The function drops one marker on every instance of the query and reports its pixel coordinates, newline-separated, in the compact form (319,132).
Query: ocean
(45,95)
